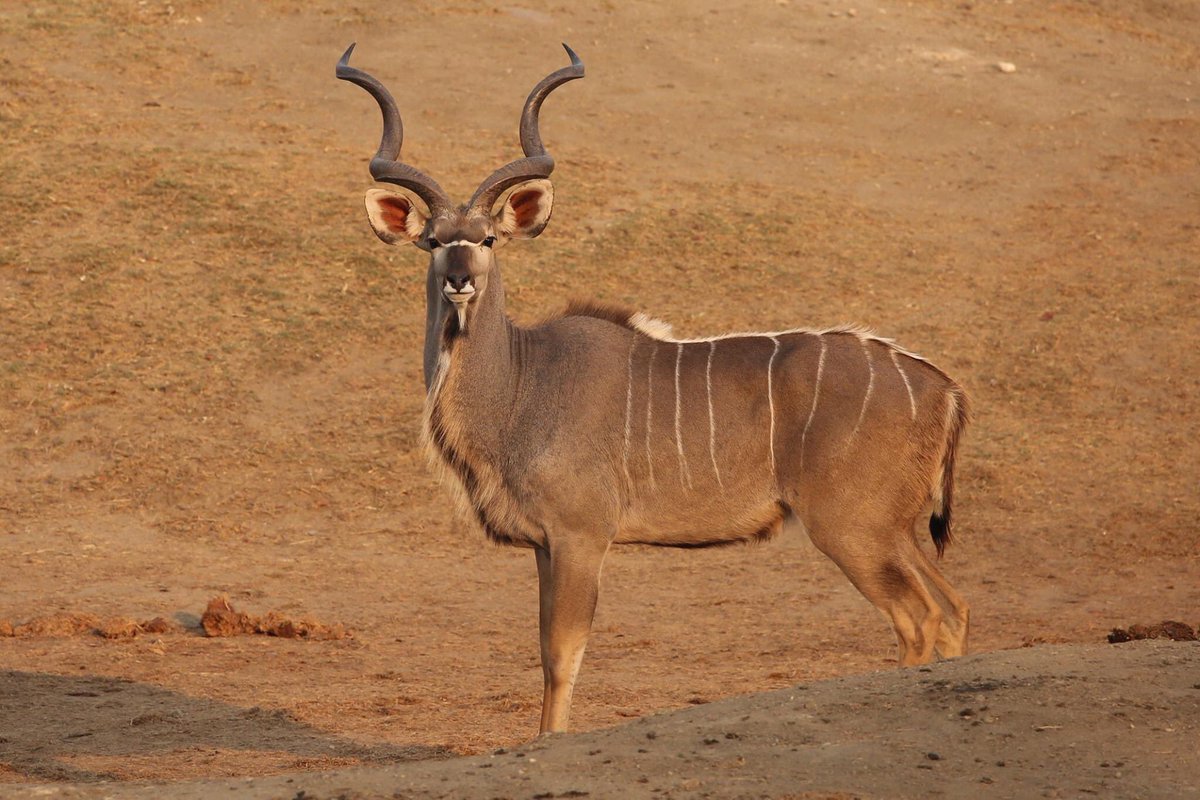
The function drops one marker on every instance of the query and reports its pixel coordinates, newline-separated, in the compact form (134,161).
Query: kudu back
(598,427)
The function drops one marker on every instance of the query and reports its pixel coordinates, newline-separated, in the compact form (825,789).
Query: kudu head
(514,202)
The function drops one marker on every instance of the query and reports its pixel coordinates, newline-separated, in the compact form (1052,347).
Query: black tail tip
(939,529)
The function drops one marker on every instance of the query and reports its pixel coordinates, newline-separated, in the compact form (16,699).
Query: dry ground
(1051,721)
(210,371)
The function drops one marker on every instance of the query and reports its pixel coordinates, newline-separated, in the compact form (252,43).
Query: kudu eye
(489,241)
(433,243)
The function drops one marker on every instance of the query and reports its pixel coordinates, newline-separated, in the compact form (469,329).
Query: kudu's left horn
(537,162)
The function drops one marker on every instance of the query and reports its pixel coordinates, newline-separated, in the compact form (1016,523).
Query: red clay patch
(1167,629)
(222,619)
(124,628)
(63,625)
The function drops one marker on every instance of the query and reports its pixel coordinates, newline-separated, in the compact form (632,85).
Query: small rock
(1007,67)
(145,719)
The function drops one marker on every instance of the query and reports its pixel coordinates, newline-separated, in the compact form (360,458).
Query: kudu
(598,428)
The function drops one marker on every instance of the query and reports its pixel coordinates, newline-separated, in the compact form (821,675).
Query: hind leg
(896,589)
(881,565)
(952,636)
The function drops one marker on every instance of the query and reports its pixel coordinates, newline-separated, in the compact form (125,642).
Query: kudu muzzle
(458,287)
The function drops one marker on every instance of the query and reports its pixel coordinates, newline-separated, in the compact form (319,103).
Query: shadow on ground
(81,722)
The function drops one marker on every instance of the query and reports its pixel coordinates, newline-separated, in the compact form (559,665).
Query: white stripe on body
(657,329)
(712,420)
(628,414)
(911,400)
(660,332)
(649,412)
(862,414)
(771,399)
(685,475)
(816,396)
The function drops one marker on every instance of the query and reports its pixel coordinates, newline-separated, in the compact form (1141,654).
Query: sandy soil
(1051,721)
(210,369)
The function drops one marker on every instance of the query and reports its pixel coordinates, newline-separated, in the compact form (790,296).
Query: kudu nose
(458,283)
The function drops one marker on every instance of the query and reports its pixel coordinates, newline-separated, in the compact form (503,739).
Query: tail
(957,414)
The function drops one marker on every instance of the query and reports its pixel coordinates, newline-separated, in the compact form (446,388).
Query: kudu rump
(598,428)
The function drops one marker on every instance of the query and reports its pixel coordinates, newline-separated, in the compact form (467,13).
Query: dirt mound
(62,625)
(124,628)
(1019,723)
(222,619)
(219,619)
(53,625)
(1167,629)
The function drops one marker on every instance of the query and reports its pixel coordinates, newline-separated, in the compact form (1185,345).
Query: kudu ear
(396,216)
(525,209)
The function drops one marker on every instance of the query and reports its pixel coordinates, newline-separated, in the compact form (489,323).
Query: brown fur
(477,487)
(536,486)
(467,476)
(599,309)
(597,427)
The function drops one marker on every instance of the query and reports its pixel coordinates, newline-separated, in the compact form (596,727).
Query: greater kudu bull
(598,428)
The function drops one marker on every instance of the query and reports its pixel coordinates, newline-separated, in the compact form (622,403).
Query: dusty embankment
(1050,721)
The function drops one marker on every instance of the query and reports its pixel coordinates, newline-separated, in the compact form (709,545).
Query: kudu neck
(483,354)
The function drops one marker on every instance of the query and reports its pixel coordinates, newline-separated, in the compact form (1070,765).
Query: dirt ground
(1051,721)
(210,368)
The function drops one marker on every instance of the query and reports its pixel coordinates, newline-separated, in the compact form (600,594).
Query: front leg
(568,585)
(545,603)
